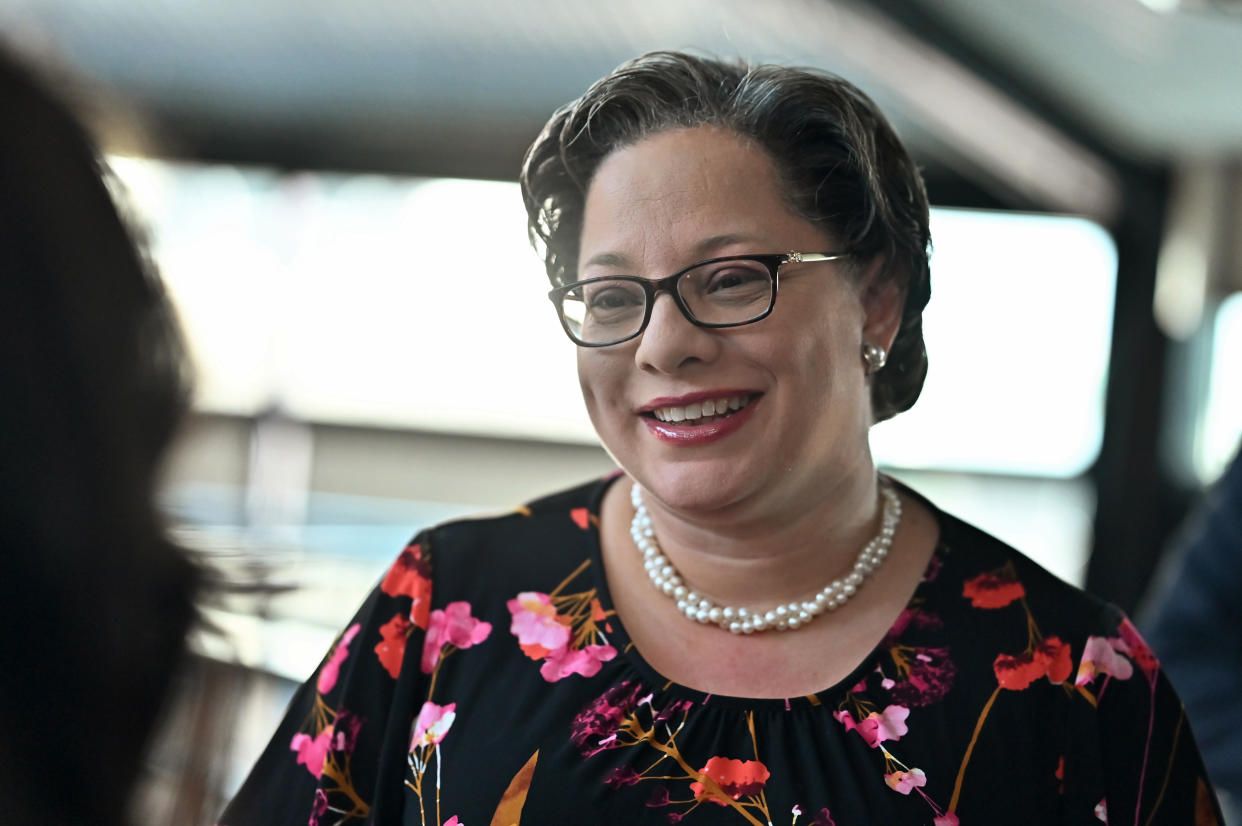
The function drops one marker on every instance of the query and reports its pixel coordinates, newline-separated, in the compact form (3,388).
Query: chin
(693,486)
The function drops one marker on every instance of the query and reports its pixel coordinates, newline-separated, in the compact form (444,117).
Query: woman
(95,601)
(746,624)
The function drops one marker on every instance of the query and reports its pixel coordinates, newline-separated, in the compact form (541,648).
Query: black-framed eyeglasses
(718,292)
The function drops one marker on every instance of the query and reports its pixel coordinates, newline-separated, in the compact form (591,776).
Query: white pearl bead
(665,578)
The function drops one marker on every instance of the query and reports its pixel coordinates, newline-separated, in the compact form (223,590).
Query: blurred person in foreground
(1196,626)
(747,623)
(94,601)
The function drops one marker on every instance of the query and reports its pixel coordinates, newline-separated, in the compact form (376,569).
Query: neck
(741,556)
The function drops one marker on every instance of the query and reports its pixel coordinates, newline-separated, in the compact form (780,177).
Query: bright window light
(419,304)
(1220,430)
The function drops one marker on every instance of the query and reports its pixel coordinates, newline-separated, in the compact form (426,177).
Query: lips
(698,418)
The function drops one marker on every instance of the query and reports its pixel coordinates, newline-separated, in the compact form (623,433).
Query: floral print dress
(487,681)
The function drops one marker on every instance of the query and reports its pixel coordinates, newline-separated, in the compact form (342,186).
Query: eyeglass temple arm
(800,257)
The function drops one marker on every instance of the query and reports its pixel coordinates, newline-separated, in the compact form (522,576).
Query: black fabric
(507,692)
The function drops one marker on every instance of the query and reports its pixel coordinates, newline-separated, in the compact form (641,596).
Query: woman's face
(674,199)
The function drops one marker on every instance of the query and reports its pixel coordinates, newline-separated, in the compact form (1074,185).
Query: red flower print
(332,668)
(581,517)
(585,661)
(537,626)
(1050,658)
(878,726)
(929,676)
(312,751)
(452,626)
(601,718)
(623,776)
(1056,655)
(736,778)
(1100,657)
(432,724)
(994,590)
(391,648)
(410,576)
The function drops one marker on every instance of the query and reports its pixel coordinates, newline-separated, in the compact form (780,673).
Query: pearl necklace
(783,617)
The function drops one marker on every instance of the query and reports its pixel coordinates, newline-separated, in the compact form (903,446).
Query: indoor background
(329,191)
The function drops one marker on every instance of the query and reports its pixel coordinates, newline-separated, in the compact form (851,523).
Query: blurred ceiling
(460,87)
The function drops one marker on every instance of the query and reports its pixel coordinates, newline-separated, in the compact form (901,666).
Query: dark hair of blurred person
(95,600)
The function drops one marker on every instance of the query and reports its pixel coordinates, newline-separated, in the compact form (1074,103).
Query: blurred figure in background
(95,601)
(1196,628)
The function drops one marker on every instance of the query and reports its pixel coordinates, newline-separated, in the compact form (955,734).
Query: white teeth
(692,412)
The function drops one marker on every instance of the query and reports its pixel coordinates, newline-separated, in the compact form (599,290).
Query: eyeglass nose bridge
(668,284)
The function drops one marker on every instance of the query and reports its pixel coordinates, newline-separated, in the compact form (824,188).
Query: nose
(671,341)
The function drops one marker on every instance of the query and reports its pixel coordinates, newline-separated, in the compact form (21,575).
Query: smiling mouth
(701,413)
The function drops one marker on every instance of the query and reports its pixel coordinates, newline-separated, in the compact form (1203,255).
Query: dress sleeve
(338,756)
(1131,756)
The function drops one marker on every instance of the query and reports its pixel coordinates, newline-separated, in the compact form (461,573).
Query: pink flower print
(929,676)
(878,726)
(319,807)
(1101,810)
(592,728)
(622,776)
(432,724)
(537,626)
(946,819)
(904,782)
(332,668)
(797,810)
(1134,645)
(345,731)
(585,661)
(312,751)
(823,818)
(452,626)
(1099,657)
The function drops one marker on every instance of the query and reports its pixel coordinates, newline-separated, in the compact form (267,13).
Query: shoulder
(991,574)
(523,548)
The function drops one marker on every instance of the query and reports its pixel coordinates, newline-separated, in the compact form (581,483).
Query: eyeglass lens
(720,292)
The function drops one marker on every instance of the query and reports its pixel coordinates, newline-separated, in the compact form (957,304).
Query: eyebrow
(618,260)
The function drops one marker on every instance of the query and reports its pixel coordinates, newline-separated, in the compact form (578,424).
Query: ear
(883,296)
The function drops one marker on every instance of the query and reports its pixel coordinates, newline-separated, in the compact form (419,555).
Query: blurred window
(341,297)
(1220,429)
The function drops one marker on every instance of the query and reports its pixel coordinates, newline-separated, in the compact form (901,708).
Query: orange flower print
(410,576)
(993,590)
(736,778)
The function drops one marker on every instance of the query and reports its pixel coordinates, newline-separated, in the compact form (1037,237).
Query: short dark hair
(843,168)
